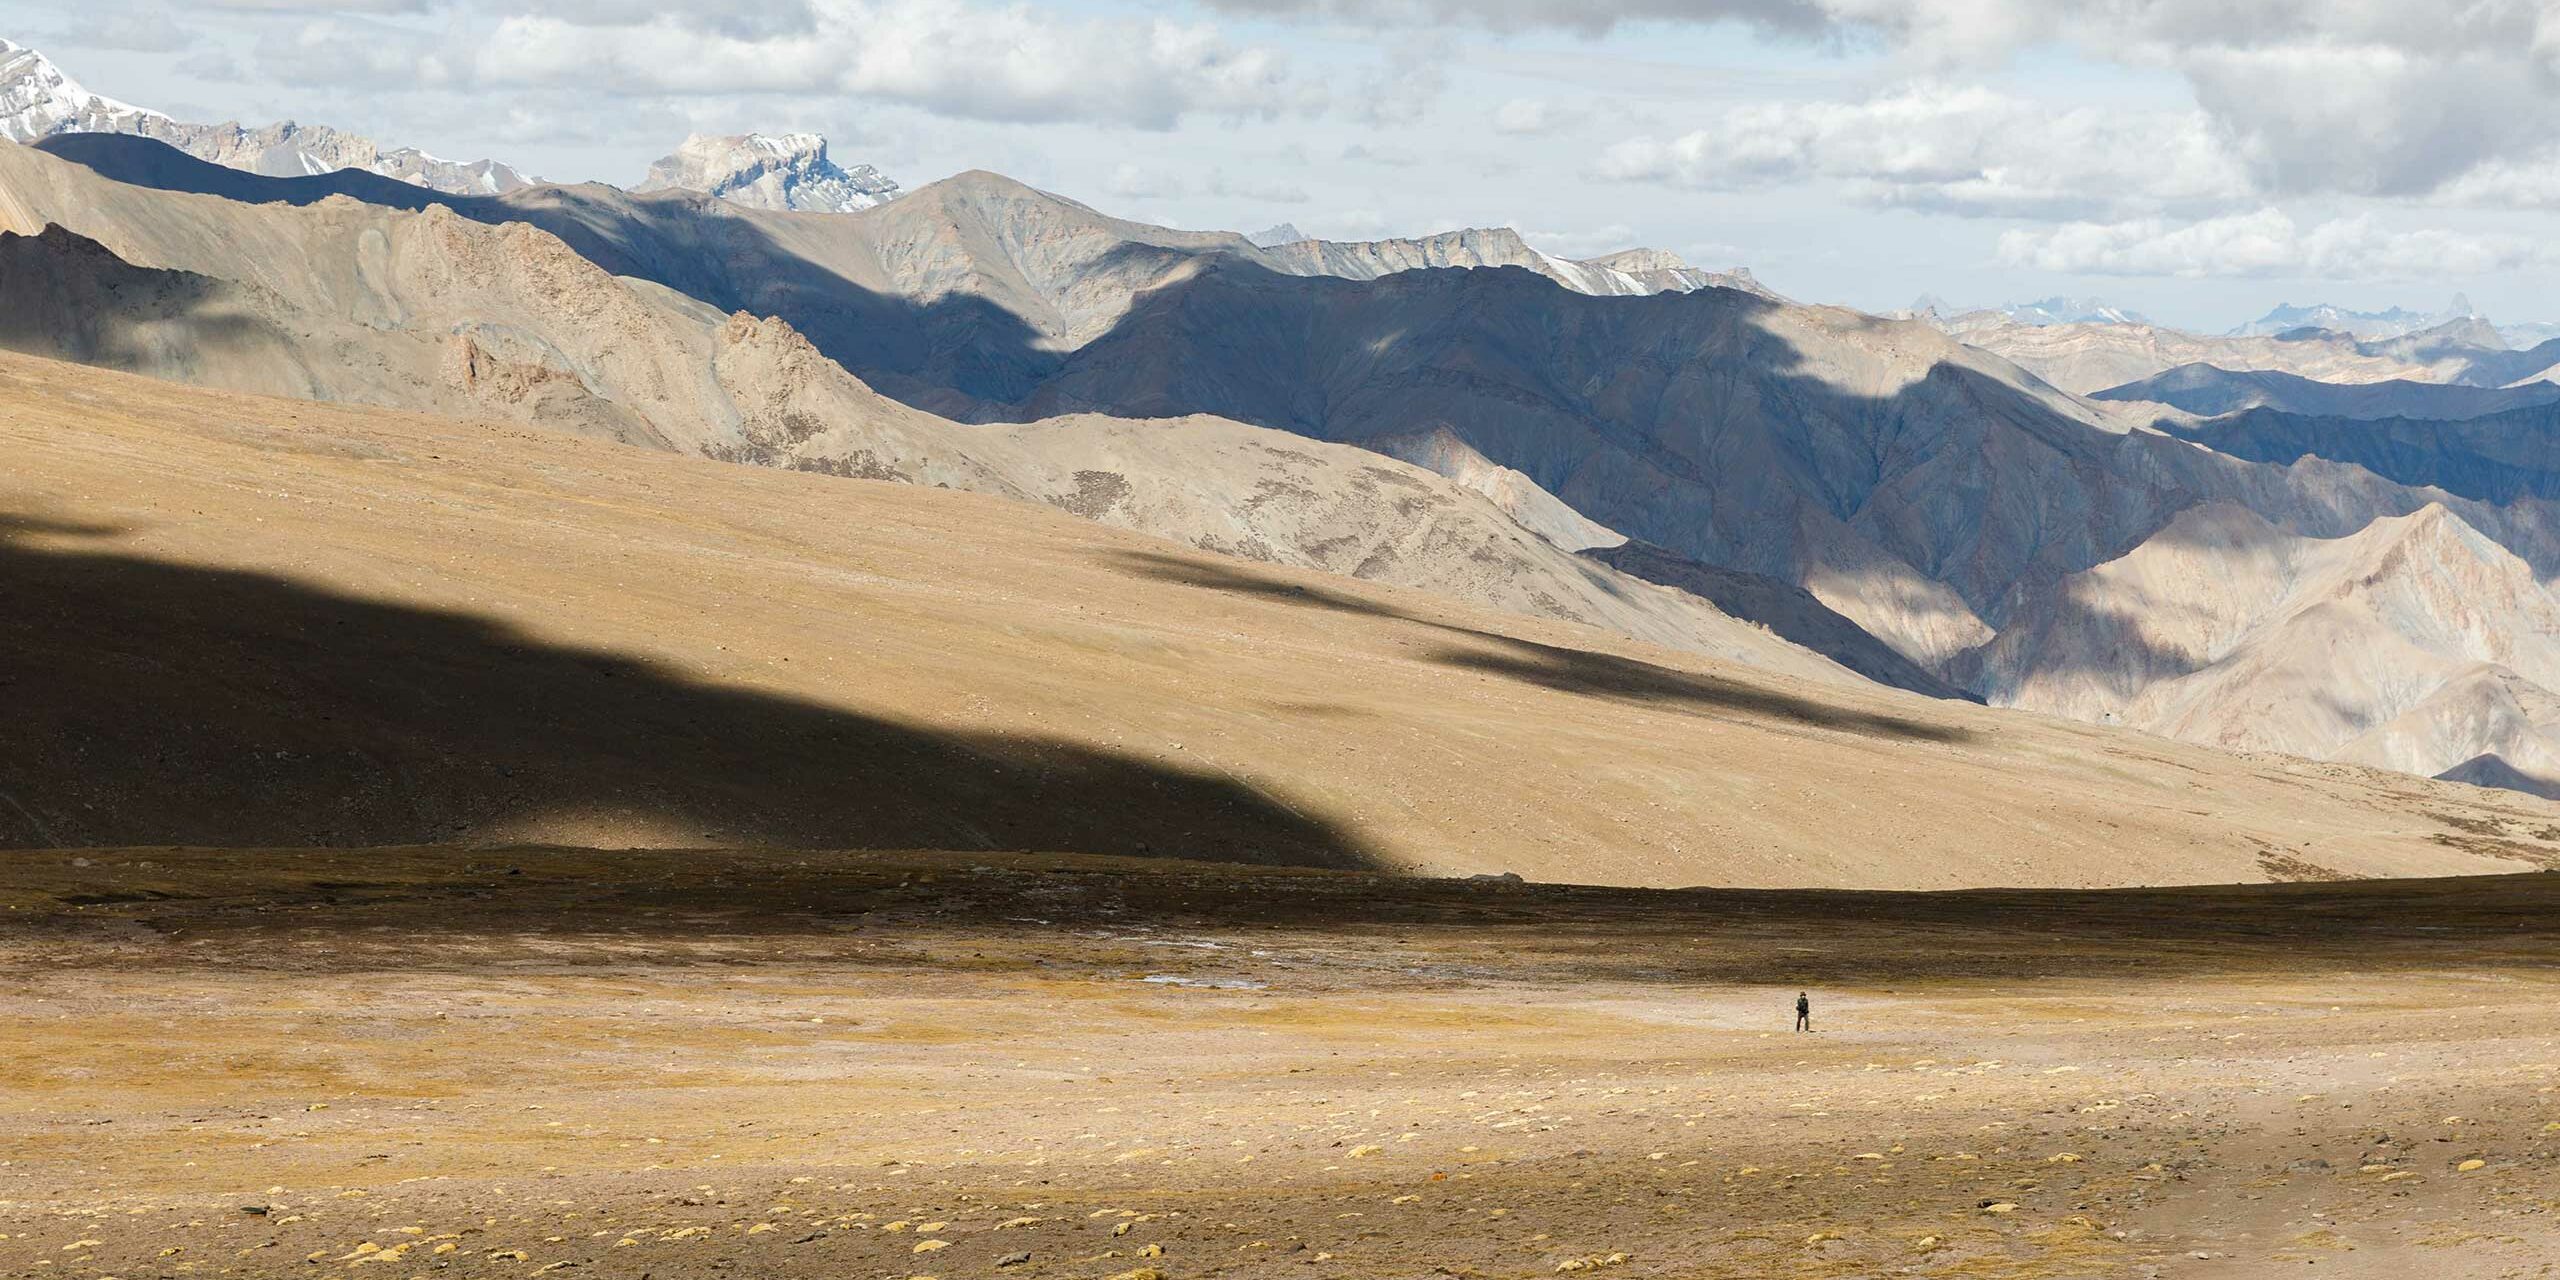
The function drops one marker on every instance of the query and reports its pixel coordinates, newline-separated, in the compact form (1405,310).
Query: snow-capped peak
(37,100)
(769,171)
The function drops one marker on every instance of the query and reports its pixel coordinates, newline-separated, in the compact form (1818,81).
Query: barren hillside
(242,620)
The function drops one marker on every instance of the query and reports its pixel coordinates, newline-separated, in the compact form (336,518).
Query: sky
(2197,160)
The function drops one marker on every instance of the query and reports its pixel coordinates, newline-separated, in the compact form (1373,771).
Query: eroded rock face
(788,171)
(2414,643)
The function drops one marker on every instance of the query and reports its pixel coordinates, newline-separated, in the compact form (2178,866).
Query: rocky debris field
(526,1061)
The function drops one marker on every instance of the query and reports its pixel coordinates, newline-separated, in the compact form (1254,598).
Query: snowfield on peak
(789,171)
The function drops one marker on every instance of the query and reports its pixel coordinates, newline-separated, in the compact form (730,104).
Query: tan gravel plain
(697,1063)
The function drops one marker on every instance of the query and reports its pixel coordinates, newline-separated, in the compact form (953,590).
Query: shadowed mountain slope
(1790,611)
(2206,391)
(1909,482)
(401,627)
(1922,489)
(2496,457)
(434,311)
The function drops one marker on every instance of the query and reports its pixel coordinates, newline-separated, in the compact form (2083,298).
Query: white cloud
(2356,97)
(1590,242)
(135,32)
(1967,151)
(2369,119)
(2529,182)
(1013,64)
(2269,243)
(1390,157)
(1265,190)
(347,50)
(1522,117)
(1135,182)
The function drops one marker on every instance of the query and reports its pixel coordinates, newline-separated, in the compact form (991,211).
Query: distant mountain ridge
(2209,391)
(2088,358)
(2389,323)
(1626,273)
(38,101)
(2045,311)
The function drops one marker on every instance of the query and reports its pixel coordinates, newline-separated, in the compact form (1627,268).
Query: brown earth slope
(236,620)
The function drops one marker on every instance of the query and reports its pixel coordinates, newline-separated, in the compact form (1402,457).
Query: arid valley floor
(482,1063)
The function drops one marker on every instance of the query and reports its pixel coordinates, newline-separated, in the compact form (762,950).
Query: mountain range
(2054,310)
(786,171)
(38,101)
(1839,496)
(2091,358)
(2388,323)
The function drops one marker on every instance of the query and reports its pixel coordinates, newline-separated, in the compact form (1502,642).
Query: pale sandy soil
(852,1065)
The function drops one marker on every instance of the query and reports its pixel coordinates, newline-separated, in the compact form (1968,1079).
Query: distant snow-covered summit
(2390,323)
(38,100)
(770,171)
(2044,311)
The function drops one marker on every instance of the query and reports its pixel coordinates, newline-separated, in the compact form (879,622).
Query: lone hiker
(1804,1013)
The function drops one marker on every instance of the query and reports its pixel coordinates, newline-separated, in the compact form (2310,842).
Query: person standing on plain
(1804,1012)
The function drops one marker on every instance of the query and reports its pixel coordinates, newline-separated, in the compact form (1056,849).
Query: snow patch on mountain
(37,100)
(769,171)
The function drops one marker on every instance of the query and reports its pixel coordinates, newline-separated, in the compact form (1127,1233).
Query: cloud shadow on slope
(1870,467)
(1577,672)
(150,702)
(1310,931)
(1701,423)
(2498,458)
